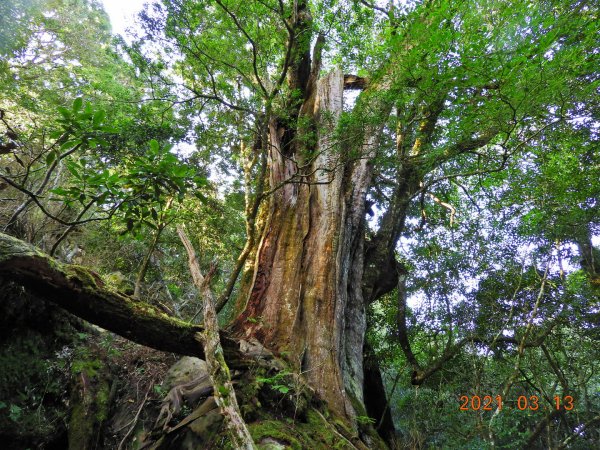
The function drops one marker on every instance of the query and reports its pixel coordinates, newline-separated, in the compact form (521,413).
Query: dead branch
(218,370)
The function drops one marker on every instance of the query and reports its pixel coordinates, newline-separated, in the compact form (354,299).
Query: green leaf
(102,199)
(15,413)
(59,191)
(50,157)
(70,144)
(77,104)
(73,168)
(200,181)
(150,224)
(200,196)
(223,391)
(64,112)
(180,171)
(281,388)
(99,117)
(154,147)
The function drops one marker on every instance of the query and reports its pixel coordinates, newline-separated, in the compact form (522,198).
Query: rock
(271,444)
(183,371)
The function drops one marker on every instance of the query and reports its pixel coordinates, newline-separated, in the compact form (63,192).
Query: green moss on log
(82,292)
(90,398)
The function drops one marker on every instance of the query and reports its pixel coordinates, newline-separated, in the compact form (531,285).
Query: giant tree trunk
(305,298)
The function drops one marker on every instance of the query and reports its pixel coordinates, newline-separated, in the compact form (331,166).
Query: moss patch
(279,431)
(83,275)
(90,397)
(315,433)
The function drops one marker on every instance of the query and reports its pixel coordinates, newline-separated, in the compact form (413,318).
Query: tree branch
(82,292)
(584,427)
(252,44)
(34,198)
(219,372)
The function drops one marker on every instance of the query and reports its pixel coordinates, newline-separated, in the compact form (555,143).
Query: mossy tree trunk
(305,296)
(83,293)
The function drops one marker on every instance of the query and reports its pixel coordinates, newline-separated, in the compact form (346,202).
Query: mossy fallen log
(82,292)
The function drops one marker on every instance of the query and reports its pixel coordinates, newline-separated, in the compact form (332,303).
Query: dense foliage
(483,203)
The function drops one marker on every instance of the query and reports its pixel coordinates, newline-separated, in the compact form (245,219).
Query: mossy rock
(315,433)
(270,444)
(185,370)
(273,430)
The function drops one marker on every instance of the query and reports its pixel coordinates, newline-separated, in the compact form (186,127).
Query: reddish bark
(305,299)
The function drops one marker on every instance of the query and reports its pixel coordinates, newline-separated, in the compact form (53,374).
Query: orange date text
(523,403)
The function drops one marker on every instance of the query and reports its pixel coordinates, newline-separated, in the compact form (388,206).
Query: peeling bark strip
(217,367)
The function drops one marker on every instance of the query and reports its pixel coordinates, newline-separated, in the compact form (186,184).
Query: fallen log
(82,292)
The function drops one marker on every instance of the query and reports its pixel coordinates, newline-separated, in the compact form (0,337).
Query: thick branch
(252,207)
(40,190)
(540,427)
(420,373)
(403,329)
(82,293)
(252,44)
(590,256)
(35,199)
(580,432)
